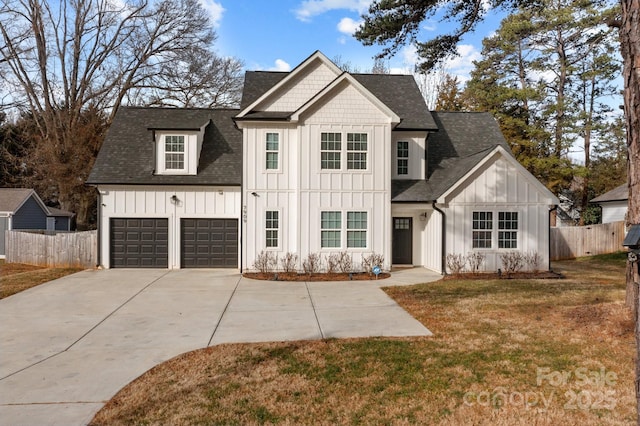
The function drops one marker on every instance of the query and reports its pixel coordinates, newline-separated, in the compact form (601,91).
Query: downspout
(552,209)
(443,241)
(99,229)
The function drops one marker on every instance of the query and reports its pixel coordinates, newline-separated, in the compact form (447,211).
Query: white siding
(417,154)
(614,211)
(155,202)
(300,89)
(500,186)
(300,189)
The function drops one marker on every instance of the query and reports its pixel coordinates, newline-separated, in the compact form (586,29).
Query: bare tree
(70,57)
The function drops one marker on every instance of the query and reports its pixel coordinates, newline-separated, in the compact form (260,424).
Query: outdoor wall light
(423,216)
(174,199)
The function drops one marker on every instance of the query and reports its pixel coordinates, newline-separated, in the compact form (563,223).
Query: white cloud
(430,25)
(280,65)
(214,9)
(310,8)
(348,26)
(462,64)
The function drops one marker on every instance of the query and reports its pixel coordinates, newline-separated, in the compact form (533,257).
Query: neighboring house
(614,204)
(566,214)
(23,209)
(318,161)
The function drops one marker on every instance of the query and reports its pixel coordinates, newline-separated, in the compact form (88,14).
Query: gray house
(21,208)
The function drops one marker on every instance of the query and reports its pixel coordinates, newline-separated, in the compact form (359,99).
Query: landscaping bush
(289,263)
(312,263)
(456,263)
(475,260)
(265,262)
(512,261)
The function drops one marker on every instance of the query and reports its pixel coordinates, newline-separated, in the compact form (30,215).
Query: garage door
(209,243)
(139,243)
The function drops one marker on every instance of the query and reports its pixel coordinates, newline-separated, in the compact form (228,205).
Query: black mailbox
(632,242)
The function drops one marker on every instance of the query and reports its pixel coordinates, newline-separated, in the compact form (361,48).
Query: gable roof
(11,199)
(128,152)
(462,141)
(621,193)
(399,93)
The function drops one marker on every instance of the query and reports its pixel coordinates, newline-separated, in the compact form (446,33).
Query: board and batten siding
(499,187)
(155,202)
(417,163)
(299,189)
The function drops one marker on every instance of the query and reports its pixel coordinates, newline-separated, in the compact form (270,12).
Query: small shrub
(475,260)
(512,261)
(533,261)
(332,263)
(345,262)
(289,263)
(265,262)
(456,263)
(370,261)
(311,264)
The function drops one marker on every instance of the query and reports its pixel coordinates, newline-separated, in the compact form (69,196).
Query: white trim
(488,159)
(346,77)
(317,55)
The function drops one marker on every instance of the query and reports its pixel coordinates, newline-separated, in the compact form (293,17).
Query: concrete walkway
(66,347)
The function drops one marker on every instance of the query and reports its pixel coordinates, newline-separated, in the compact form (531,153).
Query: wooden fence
(576,241)
(77,249)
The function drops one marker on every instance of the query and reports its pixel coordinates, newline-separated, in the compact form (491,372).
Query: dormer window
(174,152)
(178,152)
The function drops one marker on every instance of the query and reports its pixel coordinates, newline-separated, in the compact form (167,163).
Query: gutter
(552,209)
(443,241)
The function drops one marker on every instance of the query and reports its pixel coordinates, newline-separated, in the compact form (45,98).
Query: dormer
(178,150)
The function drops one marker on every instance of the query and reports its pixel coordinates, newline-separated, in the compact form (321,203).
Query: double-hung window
(272,226)
(330,229)
(356,229)
(482,229)
(330,150)
(272,147)
(356,151)
(174,152)
(402,155)
(508,230)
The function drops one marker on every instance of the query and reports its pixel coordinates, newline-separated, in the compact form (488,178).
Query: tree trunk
(630,49)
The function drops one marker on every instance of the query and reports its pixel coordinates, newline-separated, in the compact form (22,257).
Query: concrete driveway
(66,347)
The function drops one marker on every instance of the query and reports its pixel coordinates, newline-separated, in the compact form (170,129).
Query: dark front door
(402,241)
(209,243)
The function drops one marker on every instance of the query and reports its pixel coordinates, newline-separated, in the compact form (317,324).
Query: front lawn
(503,352)
(16,277)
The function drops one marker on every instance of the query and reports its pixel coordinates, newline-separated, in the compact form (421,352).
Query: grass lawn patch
(503,352)
(16,277)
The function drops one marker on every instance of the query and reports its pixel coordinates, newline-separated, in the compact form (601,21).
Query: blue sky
(279,34)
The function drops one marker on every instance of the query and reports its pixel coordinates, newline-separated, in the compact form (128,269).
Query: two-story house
(316,160)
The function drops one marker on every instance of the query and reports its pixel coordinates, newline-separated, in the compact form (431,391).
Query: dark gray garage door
(139,243)
(209,243)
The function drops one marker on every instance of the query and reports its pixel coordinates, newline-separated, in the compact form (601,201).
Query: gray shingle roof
(128,157)
(620,193)
(398,92)
(11,199)
(463,139)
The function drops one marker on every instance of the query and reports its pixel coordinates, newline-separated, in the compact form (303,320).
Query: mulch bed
(543,275)
(356,276)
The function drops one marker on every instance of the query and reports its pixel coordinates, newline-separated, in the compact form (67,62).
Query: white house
(614,204)
(316,160)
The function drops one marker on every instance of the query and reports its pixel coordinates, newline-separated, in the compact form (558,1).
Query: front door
(402,241)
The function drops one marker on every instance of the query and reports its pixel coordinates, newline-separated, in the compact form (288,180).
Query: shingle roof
(620,193)
(11,199)
(463,139)
(128,154)
(398,92)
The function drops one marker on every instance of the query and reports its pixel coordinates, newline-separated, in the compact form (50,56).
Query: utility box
(632,242)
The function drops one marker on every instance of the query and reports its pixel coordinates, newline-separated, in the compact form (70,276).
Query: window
(272,226)
(330,150)
(403,157)
(330,225)
(356,229)
(272,151)
(508,230)
(356,151)
(482,226)
(174,152)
